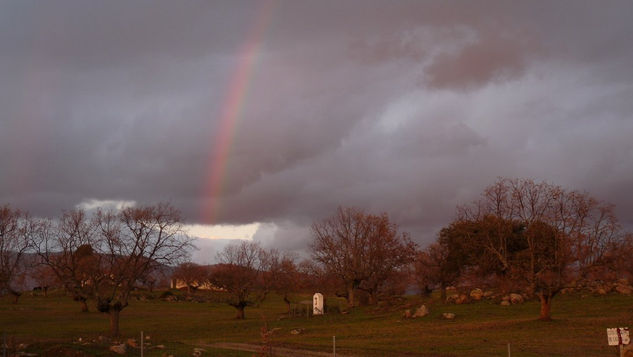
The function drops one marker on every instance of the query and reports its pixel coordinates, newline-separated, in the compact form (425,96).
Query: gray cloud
(405,107)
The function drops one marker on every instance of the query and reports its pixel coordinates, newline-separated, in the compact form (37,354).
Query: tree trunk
(84,305)
(16,295)
(287,301)
(372,298)
(114,322)
(350,297)
(546,307)
(240,312)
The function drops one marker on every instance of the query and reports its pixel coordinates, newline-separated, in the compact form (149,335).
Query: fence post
(334,345)
(142,343)
(4,344)
(509,355)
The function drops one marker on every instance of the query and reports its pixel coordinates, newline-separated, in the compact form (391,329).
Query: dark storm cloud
(405,107)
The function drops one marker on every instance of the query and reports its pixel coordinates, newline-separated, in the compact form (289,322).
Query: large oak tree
(538,236)
(362,250)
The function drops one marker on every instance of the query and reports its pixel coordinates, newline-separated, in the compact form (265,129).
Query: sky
(257,118)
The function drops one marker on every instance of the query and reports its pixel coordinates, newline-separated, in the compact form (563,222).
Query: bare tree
(67,248)
(15,229)
(283,274)
(131,244)
(240,275)
(45,278)
(435,266)
(361,249)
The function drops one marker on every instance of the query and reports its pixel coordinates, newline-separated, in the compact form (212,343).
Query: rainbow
(232,109)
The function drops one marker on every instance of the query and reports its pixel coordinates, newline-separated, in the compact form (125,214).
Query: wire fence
(142,345)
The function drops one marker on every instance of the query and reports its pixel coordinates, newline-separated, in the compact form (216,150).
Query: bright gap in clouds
(106,205)
(222,231)
(206,231)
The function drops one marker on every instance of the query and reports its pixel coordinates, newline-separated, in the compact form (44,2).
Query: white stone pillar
(317,304)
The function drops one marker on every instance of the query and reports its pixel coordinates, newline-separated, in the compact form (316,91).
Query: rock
(476,294)
(406,314)
(623,281)
(505,298)
(601,291)
(516,298)
(451,298)
(505,303)
(132,342)
(488,294)
(448,315)
(461,299)
(120,349)
(197,352)
(624,289)
(421,311)
(296,331)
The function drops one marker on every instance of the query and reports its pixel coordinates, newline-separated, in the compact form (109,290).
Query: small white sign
(618,336)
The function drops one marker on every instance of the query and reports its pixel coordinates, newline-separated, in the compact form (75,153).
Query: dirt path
(278,351)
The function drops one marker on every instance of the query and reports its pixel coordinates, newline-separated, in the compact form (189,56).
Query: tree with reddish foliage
(132,244)
(16,227)
(284,276)
(239,274)
(67,249)
(537,236)
(362,250)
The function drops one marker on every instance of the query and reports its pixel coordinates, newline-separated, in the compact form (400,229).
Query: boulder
(462,299)
(421,311)
(476,294)
(119,349)
(198,352)
(488,294)
(448,315)
(505,303)
(516,298)
(623,281)
(451,298)
(624,289)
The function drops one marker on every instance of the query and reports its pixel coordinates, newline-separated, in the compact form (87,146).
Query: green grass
(481,329)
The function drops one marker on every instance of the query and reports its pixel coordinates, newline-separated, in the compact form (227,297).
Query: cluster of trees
(245,274)
(520,236)
(529,237)
(100,257)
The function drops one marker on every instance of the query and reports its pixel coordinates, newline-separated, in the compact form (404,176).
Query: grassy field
(55,324)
